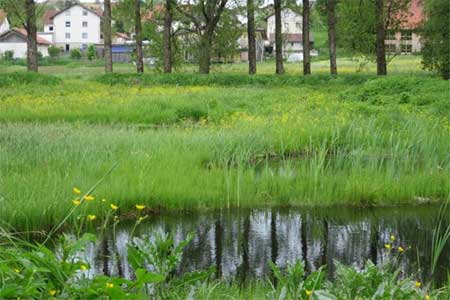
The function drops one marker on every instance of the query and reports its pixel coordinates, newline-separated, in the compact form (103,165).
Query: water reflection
(240,243)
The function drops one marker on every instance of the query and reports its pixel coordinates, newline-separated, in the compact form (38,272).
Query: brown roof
(23,33)
(122,35)
(48,16)
(2,16)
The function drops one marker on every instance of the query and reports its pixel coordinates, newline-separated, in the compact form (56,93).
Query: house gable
(12,37)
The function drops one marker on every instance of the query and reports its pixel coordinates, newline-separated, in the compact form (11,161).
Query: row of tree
(358,26)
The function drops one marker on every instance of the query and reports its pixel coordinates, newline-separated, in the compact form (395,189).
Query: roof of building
(2,16)
(122,35)
(97,12)
(48,16)
(414,17)
(23,33)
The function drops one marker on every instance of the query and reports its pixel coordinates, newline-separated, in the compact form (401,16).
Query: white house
(291,29)
(4,23)
(76,26)
(16,40)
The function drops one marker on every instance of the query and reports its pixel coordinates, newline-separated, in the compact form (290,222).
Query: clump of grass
(23,78)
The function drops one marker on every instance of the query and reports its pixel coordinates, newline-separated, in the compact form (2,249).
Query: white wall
(290,22)
(20,49)
(5,26)
(76,29)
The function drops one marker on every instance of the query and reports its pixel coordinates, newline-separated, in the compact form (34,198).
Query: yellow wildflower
(76,191)
(76,202)
(116,219)
(52,292)
(109,285)
(392,237)
(400,249)
(84,267)
(114,207)
(103,200)
(418,284)
(427,297)
(388,246)
(88,197)
(17,270)
(308,293)
(91,217)
(140,206)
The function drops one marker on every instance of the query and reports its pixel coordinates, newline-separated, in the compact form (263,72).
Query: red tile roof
(24,33)
(48,16)
(414,17)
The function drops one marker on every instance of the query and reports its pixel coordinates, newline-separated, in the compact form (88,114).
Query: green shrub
(54,51)
(75,54)
(91,52)
(8,55)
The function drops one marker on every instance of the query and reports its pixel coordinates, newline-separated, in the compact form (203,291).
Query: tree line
(358,26)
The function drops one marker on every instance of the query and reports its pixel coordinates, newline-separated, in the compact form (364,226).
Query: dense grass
(227,140)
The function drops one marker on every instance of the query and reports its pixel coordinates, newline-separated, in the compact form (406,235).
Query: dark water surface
(240,243)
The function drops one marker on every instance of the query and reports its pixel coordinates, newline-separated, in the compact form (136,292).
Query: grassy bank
(221,141)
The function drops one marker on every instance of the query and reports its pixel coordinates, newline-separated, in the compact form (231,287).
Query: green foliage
(436,36)
(91,52)
(22,78)
(8,55)
(356,25)
(225,46)
(54,51)
(295,284)
(75,53)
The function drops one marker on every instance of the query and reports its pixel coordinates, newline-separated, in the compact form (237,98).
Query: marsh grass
(193,142)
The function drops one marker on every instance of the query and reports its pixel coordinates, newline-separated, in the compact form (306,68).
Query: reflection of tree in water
(241,244)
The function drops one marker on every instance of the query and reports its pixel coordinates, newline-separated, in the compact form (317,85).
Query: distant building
(16,40)
(4,23)
(407,39)
(76,26)
(260,37)
(291,29)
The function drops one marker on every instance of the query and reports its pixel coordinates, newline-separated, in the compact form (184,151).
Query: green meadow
(192,142)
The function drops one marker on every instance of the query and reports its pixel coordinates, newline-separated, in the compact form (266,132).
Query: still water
(239,244)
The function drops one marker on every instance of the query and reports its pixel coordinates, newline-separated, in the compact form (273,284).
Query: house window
(67,47)
(67,12)
(391,48)
(406,48)
(84,35)
(406,35)
(85,13)
(50,28)
(67,23)
(390,35)
(286,26)
(67,35)
(298,25)
(85,24)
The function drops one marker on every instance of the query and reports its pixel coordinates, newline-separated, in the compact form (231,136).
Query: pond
(239,243)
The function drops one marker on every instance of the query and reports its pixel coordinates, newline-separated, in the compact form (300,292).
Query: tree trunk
(167,46)
(251,37)
(278,39)
(138,32)
(204,60)
(107,38)
(331,15)
(380,48)
(306,48)
(32,51)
